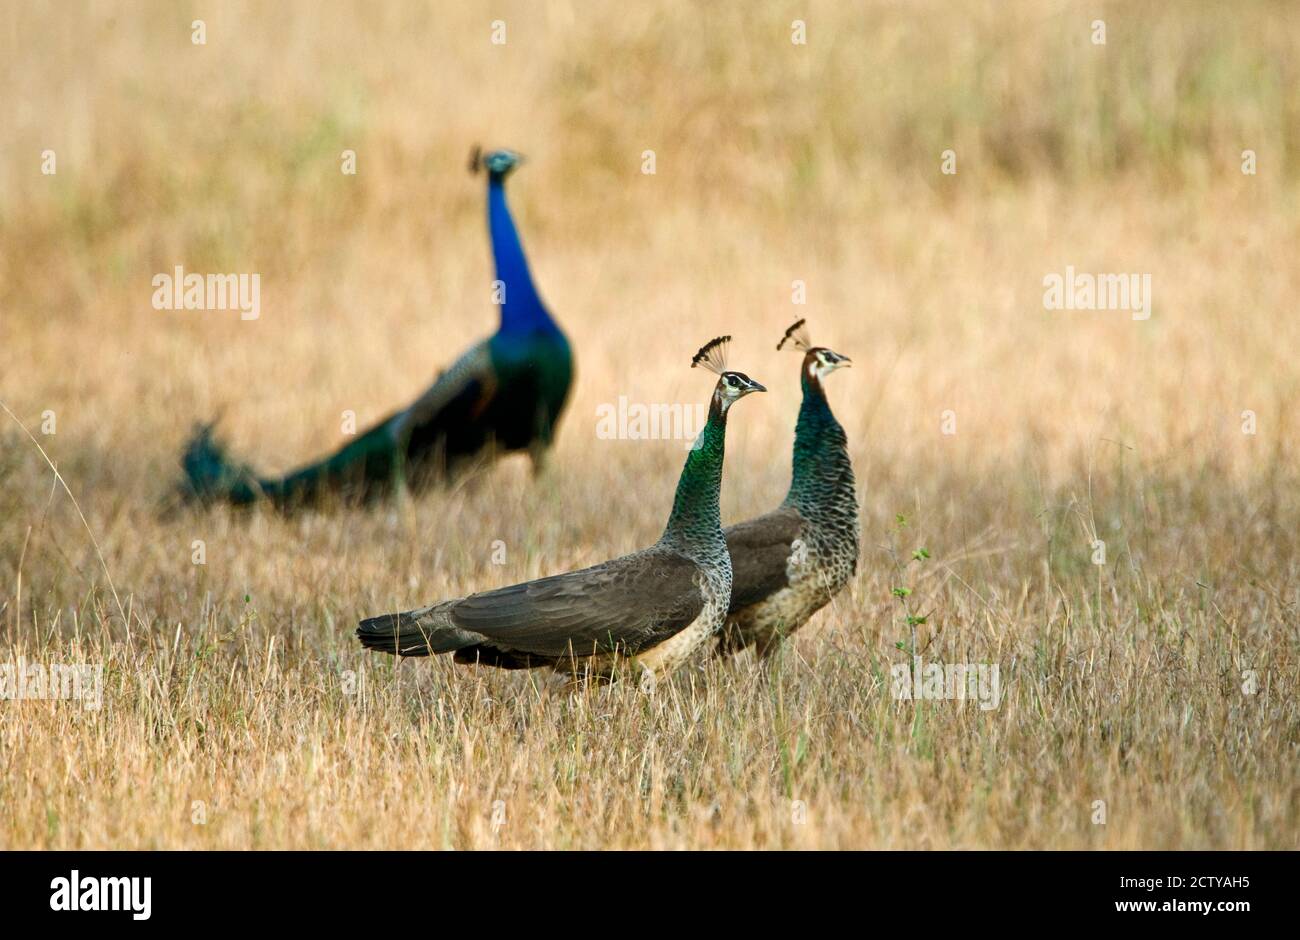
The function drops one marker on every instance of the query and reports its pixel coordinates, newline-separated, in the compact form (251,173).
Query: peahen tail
(358,468)
(421,632)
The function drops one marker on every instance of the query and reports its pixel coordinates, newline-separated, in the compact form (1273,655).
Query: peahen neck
(696,519)
(522,313)
(822,473)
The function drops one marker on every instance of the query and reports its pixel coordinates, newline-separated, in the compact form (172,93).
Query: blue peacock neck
(522,313)
(696,519)
(821,469)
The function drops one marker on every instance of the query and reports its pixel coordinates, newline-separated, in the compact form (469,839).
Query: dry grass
(238,683)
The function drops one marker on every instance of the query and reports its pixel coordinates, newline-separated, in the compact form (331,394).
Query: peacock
(656,606)
(789,563)
(505,394)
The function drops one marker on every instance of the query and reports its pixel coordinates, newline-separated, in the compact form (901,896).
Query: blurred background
(775,162)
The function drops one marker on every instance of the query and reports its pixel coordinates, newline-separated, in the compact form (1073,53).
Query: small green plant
(904,593)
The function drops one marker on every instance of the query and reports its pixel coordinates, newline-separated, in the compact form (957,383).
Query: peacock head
(498,163)
(732,386)
(818,361)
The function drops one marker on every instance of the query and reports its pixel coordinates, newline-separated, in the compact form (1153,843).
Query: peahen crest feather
(797,335)
(713,355)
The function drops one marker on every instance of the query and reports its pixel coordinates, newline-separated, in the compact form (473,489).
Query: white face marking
(824,363)
(732,388)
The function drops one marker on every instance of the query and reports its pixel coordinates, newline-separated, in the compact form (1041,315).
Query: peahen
(789,563)
(657,605)
(505,394)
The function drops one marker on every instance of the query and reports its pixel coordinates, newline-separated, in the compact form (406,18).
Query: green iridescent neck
(818,442)
(696,518)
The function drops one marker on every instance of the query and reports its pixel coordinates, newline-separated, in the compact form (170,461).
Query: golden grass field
(235,693)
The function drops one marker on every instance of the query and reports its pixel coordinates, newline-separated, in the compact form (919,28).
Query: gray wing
(630,603)
(760,551)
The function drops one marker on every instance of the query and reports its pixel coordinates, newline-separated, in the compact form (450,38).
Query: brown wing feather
(760,550)
(631,603)
(474,366)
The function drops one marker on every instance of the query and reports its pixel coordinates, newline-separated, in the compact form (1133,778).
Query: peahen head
(732,386)
(818,361)
(498,163)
